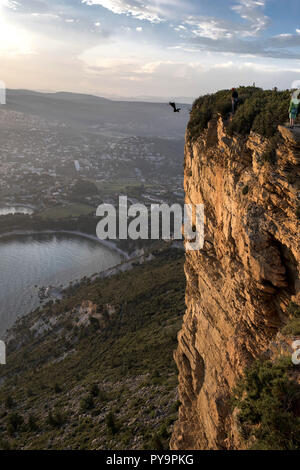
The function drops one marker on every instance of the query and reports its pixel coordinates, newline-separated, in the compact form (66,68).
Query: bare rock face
(240,285)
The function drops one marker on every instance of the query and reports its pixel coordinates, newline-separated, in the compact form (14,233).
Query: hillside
(259,111)
(99,115)
(243,288)
(95,370)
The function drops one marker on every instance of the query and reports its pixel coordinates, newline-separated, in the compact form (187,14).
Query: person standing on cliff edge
(234,100)
(293,110)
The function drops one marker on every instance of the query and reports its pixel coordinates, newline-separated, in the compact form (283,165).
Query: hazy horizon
(107,96)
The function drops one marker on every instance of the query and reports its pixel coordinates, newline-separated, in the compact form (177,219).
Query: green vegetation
(83,189)
(14,423)
(87,403)
(113,387)
(292,328)
(72,210)
(84,223)
(94,390)
(56,420)
(57,388)
(123,187)
(268,402)
(270,154)
(293,325)
(111,424)
(32,424)
(259,111)
(9,403)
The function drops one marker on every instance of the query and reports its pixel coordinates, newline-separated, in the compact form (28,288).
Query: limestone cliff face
(240,285)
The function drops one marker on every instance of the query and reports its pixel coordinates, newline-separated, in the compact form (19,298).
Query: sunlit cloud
(10,4)
(155,11)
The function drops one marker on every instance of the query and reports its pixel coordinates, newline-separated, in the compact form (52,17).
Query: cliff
(241,285)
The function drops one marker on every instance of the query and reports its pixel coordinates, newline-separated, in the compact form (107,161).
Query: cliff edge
(241,285)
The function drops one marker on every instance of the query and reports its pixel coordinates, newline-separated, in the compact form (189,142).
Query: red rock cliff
(240,285)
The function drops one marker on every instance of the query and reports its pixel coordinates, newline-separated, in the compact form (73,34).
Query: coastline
(105,243)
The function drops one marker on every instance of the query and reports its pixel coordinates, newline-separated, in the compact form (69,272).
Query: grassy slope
(48,403)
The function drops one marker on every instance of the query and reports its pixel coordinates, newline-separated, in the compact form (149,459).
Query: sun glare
(13,40)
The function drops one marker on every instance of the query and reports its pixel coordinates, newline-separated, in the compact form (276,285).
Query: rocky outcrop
(240,285)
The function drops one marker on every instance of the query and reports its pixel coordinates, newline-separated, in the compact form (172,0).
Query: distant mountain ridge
(88,112)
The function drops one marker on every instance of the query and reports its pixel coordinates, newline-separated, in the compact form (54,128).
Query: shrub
(293,326)
(267,399)
(32,424)
(103,397)
(156,443)
(57,388)
(270,154)
(160,439)
(9,402)
(87,403)
(294,310)
(55,420)
(14,423)
(259,111)
(111,423)
(94,322)
(176,405)
(94,390)
(4,444)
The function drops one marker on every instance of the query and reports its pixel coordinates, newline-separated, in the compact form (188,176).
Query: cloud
(56,26)
(13,5)
(252,11)
(30,6)
(154,11)
(284,41)
(209,28)
(274,47)
(241,37)
(180,28)
(45,16)
(174,77)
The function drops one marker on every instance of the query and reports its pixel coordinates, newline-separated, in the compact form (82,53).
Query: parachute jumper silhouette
(173,105)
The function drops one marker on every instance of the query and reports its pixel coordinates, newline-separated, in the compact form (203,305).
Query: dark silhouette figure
(235,100)
(294,110)
(173,105)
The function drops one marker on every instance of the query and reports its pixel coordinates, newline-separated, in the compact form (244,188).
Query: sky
(149,48)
